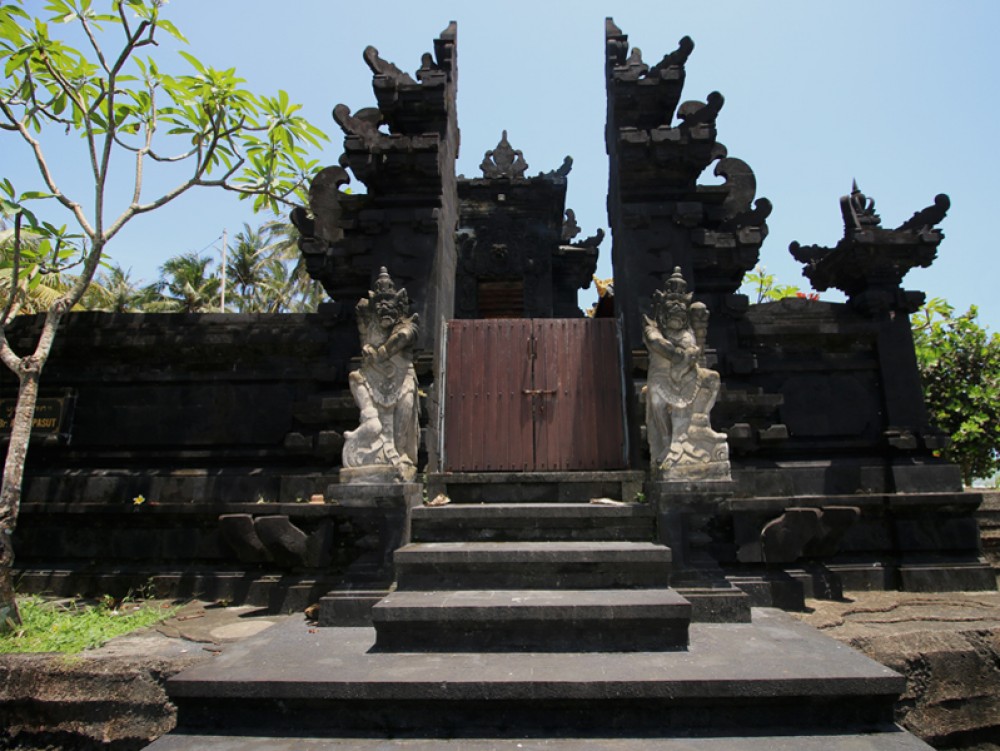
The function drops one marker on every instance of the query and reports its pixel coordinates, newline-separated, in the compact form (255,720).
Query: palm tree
(115,291)
(246,270)
(305,293)
(185,286)
(39,284)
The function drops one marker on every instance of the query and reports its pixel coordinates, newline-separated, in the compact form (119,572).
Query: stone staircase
(538,626)
(562,577)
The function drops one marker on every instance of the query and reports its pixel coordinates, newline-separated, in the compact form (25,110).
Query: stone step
(531,565)
(535,521)
(890,738)
(330,683)
(609,620)
(536,487)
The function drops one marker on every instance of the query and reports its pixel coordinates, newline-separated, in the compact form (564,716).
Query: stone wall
(179,421)
(193,407)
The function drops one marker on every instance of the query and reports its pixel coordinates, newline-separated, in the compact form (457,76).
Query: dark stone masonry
(538,582)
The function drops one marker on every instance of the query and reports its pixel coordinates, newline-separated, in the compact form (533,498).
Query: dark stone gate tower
(406,220)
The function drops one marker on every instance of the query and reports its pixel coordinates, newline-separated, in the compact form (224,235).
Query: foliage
(761,287)
(186,286)
(266,273)
(37,275)
(73,627)
(115,291)
(959,364)
(202,127)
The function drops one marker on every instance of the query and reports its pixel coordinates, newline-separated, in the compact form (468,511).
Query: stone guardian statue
(384,447)
(680,392)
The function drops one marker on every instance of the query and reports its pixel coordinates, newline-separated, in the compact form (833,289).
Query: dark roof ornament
(382,67)
(364,123)
(675,59)
(868,264)
(858,210)
(590,242)
(562,170)
(431,68)
(504,161)
(695,113)
(925,219)
(570,228)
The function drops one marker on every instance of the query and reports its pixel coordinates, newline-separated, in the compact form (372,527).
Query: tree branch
(50,183)
(93,42)
(72,94)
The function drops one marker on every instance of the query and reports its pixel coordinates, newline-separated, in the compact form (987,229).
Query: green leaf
(168,27)
(195,62)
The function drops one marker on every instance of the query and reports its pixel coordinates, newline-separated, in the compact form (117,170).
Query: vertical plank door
(540,395)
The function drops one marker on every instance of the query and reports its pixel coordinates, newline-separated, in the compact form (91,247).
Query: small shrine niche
(517,257)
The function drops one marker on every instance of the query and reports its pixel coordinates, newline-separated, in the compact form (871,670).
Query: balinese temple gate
(779,450)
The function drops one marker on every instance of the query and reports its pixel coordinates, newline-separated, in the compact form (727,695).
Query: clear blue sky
(899,94)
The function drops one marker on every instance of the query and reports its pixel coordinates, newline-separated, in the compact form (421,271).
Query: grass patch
(71,627)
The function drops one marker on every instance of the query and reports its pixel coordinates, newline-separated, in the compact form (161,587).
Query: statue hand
(368,353)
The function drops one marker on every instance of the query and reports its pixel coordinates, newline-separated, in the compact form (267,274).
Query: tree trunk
(10,490)
(28,371)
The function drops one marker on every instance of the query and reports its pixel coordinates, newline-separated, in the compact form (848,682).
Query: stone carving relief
(680,391)
(384,447)
(504,161)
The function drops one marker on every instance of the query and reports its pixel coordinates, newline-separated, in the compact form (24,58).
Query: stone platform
(731,688)
(890,740)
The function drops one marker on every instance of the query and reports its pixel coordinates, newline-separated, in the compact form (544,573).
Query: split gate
(533,395)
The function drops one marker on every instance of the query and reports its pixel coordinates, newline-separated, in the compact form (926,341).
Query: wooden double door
(533,395)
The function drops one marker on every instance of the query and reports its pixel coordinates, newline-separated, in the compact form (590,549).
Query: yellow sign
(48,416)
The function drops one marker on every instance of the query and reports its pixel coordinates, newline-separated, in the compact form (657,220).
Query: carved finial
(503,161)
(590,242)
(450,32)
(677,58)
(382,67)
(570,228)
(324,203)
(610,28)
(562,171)
(858,210)
(363,123)
(926,218)
(694,113)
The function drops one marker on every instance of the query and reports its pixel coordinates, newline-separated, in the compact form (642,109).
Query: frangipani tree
(113,92)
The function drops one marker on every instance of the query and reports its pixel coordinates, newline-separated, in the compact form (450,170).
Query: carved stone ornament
(680,392)
(504,161)
(384,447)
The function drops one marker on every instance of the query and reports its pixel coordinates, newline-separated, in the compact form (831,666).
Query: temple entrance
(533,395)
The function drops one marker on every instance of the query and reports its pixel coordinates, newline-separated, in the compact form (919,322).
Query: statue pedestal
(377,474)
(384,511)
(685,510)
(700,455)
(694,472)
